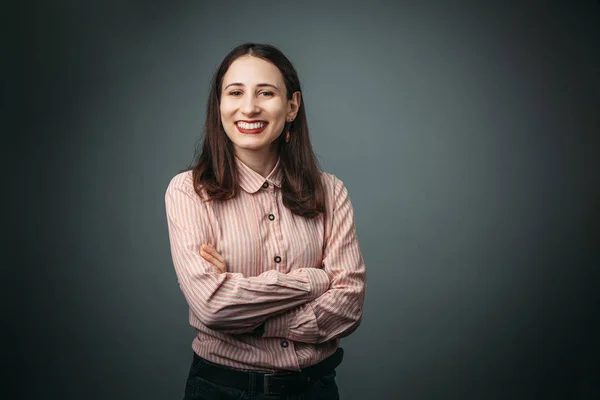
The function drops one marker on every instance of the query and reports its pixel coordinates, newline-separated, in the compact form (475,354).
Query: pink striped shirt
(305,278)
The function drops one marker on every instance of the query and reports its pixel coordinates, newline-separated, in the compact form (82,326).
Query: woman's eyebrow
(267,85)
(258,85)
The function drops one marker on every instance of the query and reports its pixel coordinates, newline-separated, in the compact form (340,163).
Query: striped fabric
(304,278)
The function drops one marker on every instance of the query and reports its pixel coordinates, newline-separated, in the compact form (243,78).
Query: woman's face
(254,105)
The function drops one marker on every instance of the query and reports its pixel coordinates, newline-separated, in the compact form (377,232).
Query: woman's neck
(260,162)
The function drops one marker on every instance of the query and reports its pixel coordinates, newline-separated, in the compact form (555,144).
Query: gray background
(467,135)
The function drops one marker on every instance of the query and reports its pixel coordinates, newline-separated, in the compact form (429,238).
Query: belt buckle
(267,380)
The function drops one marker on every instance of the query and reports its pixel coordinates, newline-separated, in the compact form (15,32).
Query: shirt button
(266,185)
(271,217)
(277,259)
(284,343)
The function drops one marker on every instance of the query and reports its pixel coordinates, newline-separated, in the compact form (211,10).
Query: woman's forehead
(249,71)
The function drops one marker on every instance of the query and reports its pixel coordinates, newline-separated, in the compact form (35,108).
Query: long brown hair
(215,173)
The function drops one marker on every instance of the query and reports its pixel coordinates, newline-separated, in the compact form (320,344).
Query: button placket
(266,197)
(275,228)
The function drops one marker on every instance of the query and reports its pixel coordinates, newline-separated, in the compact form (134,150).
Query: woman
(263,242)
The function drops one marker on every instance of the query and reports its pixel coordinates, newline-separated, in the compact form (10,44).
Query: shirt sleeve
(338,312)
(228,302)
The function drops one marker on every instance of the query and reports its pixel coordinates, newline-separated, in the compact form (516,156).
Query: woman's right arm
(228,302)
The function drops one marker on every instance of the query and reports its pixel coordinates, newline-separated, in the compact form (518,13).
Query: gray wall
(467,136)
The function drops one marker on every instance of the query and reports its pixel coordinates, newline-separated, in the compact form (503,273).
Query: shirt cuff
(318,280)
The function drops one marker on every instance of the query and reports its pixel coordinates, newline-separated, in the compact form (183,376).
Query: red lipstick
(251,131)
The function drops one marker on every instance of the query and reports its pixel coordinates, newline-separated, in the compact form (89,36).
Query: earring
(287,137)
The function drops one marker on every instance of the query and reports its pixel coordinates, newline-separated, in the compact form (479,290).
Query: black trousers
(198,387)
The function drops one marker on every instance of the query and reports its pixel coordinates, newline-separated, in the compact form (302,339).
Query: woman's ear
(293,106)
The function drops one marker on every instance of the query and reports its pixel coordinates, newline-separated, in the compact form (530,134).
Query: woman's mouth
(251,127)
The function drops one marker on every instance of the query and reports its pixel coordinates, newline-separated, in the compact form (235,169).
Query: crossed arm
(337,312)
(309,305)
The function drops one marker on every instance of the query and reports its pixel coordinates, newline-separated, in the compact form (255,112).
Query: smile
(251,127)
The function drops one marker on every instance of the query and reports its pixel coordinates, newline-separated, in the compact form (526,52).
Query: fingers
(213,261)
(211,255)
(211,250)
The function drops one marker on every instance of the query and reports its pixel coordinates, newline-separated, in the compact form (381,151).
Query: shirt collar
(251,181)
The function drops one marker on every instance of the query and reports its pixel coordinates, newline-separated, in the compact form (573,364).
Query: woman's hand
(211,255)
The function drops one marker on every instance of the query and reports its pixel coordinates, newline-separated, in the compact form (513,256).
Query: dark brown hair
(215,170)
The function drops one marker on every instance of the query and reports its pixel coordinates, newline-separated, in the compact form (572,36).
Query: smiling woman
(263,242)
(256,84)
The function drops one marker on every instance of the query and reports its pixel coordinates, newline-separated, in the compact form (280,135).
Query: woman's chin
(250,145)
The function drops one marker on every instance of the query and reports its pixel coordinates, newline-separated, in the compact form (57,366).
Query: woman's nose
(250,105)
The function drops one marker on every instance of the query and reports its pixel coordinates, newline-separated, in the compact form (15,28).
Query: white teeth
(254,125)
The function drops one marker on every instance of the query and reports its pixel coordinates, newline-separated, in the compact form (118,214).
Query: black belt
(268,383)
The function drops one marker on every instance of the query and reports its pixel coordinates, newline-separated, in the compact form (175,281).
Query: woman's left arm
(337,312)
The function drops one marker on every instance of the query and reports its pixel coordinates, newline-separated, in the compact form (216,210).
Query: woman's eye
(267,94)
(235,93)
